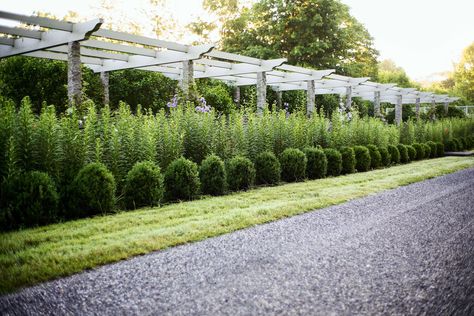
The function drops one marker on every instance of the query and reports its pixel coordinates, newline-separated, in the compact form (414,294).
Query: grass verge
(34,255)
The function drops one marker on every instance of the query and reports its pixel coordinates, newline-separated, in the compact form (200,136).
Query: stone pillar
(74,75)
(187,78)
(348,98)
(398,110)
(279,99)
(261,92)
(377,104)
(446,105)
(417,107)
(310,97)
(104,79)
(237,96)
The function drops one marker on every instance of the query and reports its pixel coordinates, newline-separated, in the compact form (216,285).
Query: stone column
(377,104)
(261,92)
(74,75)
(417,107)
(348,98)
(279,99)
(398,110)
(310,98)
(237,96)
(446,106)
(104,79)
(187,78)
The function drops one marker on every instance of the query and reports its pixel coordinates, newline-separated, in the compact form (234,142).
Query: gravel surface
(404,251)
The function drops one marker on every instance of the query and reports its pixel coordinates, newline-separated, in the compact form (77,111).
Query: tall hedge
(317,163)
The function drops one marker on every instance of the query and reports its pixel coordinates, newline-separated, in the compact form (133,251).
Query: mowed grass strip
(34,255)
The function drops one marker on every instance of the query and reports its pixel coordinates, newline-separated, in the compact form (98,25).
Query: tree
(389,72)
(464,74)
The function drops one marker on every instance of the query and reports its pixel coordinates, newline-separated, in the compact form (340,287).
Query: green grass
(34,255)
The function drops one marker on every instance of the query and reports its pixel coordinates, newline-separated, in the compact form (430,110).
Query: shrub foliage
(293,165)
(240,173)
(143,185)
(268,168)
(181,180)
(213,176)
(363,159)
(317,163)
(334,158)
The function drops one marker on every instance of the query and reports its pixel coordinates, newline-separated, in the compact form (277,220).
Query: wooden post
(237,96)
(104,79)
(279,99)
(310,98)
(417,107)
(377,104)
(348,98)
(187,78)
(398,110)
(446,106)
(74,75)
(261,92)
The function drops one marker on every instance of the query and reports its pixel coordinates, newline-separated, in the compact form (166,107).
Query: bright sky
(422,36)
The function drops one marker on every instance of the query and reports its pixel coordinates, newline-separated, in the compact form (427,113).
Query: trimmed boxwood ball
(411,152)
(28,199)
(267,168)
(362,156)
(213,177)
(334,158)
(404,155)
(143,185)
(317,163)
(439,149)
(181,180)
(385,155)
(451,145)
(293,165)
(433,149)
(240,173)
(427,150)
(348,160)
(375,157)
(394,154)
(93,191)
(420,151)
(463,143)
(459,144)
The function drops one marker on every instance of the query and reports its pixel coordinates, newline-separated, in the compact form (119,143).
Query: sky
(425,37)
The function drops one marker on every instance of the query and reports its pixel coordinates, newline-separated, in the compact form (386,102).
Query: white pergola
(105,50)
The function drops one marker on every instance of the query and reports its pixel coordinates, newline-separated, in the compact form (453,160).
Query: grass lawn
(34,255)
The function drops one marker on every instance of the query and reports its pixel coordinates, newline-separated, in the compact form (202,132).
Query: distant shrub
(459,144)
(451,145)
(93,191)
(334,158)
(267,168)
(427,150)
(181,180)
(213,176)
(348,160)
(420,151)
(439,149)
(394,154)
(375,157)
(293,165)
(362,156)
(471,142)
(385,155)
(404,154)
(240,173)
(433,149)
(464,143)
(411,152)
(28,199)
(317,163)
(143,185)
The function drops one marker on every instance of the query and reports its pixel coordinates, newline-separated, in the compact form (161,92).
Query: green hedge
(143,185)
(317,163)
(362,156)
(375,157)
(385,155)
(213,176)
(404,153)
(267,168)
(240,173)
(181,180)
(348,160)
(394,154)
(334,158)
(411,152)
(293,165)
(420,151)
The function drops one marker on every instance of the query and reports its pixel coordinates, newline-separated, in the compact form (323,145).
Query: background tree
(464,75)
(389,72)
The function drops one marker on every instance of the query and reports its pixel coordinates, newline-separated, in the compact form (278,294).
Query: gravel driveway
(404,251)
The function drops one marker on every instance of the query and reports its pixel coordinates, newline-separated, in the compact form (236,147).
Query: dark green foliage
(420,151)
(363,159)
(240,173)
(411,152)
(433,149)
(385,155)
(268,168)
(213,176)
(143,185)
(217,95)
(293,165)
(464,143)
(404,154)
(348,160)
(317,163)
(181,180)
(451,145)
(93,191)
(427,150)
(28,199)
(334,158)
(375,157)
(459,144)
(394,154)
(439,149)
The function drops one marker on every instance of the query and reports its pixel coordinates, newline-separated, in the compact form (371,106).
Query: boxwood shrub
(334,158)
(439,149)
(375,157)
(420,151)
(411,152)
(394,154)
(451,145)
(143,185)
(293,165)
(404,154)
(317,163)
(385,155)
(348,160)
(181,180)
(240,173)
(267,168)
(459,144)
(427,150)
(362,156)
(28,199)
(433,149)
(213,177)
(93,191)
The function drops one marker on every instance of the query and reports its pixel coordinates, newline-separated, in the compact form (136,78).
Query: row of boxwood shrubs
(459,144)
(30,199)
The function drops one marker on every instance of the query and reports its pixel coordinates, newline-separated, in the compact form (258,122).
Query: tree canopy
(464,74)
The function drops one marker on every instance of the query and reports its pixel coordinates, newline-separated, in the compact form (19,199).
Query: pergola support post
(348,98)
(261,92)
(74,75)
(279,100)
(417,108)
(237,96)
(104,79)
(446,106)
(398,110)
(377,104)
(187,78)
(310,98)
